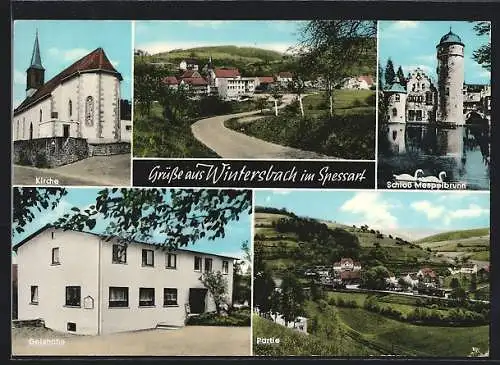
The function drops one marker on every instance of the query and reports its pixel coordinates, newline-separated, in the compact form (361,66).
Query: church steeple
(35,74)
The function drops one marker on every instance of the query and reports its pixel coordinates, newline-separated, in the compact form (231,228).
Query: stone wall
(107,149)
(50,152)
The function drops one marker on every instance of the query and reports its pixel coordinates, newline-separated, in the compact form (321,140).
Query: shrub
(236,317)
(24,158)
(371,99)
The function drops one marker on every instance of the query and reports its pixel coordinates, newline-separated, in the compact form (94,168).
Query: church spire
(36,59)
(35,74)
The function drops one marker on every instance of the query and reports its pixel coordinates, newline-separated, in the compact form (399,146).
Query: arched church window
(396,97)
(394,112)
(31,130)
(70,108)
(89,111)
(394,135)
(40,115)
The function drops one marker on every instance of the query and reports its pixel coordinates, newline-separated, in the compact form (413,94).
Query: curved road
(228,143)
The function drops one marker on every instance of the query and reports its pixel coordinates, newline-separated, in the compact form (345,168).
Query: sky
(160,36)
(236,231)
(62,42)
(412,215)
(413,43)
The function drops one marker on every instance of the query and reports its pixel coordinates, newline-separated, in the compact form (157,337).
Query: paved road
(93,171)
(228,143)
(187,341)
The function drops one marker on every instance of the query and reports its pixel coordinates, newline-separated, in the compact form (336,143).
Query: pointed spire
(36,60)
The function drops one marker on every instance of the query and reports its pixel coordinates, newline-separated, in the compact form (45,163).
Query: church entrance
(66,130)
(31,130)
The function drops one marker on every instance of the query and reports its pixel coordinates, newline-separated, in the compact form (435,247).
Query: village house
(284,78)
(411,279)
(347,270)
(264,83)
(364,82)
(427,275)
(230,84)
(467,268)
(83,283)
(74,115)
(188,64)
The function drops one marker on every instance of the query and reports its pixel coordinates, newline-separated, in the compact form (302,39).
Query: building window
(197,263)
(397,97)
(89,111)
(73,296)
(148,258)
(128,127)
(119,254)
(225,267)
(208,265)
(411,114)
(70,108)
(171,260)
(394,112)
(419,115)
(55,256)
(118,297)
(169,296)
(146,297)
(34,294)
(428,98)
(41,114)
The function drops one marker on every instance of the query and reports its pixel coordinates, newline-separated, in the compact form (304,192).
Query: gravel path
(187,341)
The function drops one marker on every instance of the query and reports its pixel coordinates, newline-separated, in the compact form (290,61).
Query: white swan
(408,177)
(435,179)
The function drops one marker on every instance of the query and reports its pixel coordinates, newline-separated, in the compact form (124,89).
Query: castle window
(396,97)
(394,112)
(419,115)
(89,111)
(411,114)
(70,108)
(428,98)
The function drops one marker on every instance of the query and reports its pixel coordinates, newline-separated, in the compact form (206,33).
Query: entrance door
(197,300)
(65,130)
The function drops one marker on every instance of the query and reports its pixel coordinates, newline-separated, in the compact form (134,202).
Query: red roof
(367,79)
(190,73)
(266,79)
(428,272)
(350,275)
(170,80)
(94,61)
(195,81)
(226,72)
(285,75)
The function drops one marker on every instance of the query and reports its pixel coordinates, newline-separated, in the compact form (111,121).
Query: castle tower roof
(395,87)
(450,38)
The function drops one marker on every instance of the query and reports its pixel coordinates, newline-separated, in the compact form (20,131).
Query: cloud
(446,214)
(374,210)
(268,198)
(281,191)
(68,55)
(19,77)
(404,24)
(166,46)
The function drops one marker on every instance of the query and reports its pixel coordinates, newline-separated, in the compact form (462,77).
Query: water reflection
(462,152)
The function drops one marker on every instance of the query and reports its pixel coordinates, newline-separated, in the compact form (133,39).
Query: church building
(74,115)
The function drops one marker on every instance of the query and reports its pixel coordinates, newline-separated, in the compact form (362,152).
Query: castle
(420,101)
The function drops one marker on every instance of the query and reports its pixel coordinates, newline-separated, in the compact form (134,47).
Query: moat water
(462,152)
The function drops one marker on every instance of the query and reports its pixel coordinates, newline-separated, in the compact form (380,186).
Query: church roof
(36,60)
(94,61)
(450,38)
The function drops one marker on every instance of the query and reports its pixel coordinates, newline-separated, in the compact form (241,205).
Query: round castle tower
(450,71)
(396,102)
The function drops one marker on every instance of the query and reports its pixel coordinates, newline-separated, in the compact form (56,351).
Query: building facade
(81,283)
(421,98)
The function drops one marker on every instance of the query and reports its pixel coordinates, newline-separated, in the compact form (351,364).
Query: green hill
(202,54)
(288,242)
(454,235)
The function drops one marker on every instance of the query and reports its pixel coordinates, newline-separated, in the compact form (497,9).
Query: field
(454,235)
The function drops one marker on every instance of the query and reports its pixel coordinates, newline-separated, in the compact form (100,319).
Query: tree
(482,55)
(374,278)
(261,103)
(217,287)
(275,301)
(473,283)
(330,48)
(390,74)
(292,298)
(242,279)
(177,216)
(147,83)
(277,96)
(176,102)
(298,85)
(401,76)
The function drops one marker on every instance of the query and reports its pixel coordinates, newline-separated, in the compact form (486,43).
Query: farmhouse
(85,283)
(427,275)
(348,270)
(74,115)
(284,78)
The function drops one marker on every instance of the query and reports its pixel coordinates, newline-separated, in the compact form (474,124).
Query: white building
(230,84)
(396,102)
(82,283)
(284,78)
(421,99)
(346,264)
(82,101)
(358,83)
(188,64)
